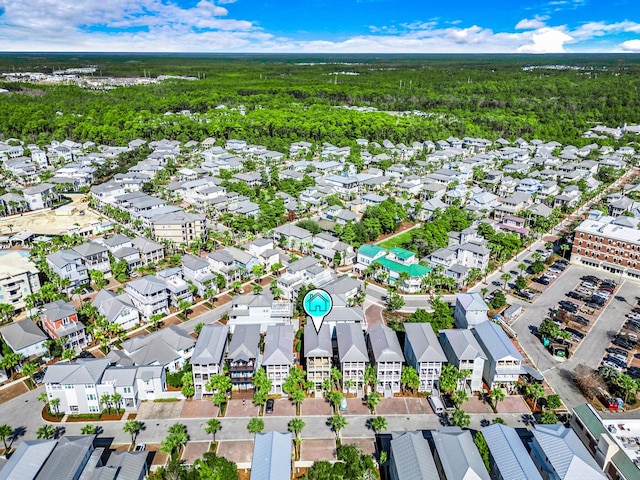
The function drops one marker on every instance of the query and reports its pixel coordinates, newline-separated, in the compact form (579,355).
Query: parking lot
(559,372)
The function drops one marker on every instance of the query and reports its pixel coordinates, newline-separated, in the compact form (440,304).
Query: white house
(470,310)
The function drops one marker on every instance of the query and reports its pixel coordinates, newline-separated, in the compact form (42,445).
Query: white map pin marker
(317,303)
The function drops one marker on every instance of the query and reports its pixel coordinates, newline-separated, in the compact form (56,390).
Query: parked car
(269,406)
(574,295)
(590,278)
(615,366)
(141,447)
(86,354)
(616,360)
(622,343)
(543,280)
(594,305)
(588,285)
(622,358)
(619,351)
(575,333)
(38,377)
(554,270)
(551,274)
(581,319)
(560,266)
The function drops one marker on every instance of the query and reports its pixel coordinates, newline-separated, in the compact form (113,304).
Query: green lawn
(396,241)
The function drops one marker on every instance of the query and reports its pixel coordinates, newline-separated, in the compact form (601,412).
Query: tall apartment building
(18,278)
(609,243)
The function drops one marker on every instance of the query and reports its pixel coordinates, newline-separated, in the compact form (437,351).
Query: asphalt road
(23,414)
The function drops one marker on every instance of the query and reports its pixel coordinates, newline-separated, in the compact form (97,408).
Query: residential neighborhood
(177,294)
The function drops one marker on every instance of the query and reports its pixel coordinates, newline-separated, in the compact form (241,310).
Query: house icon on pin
(317,303)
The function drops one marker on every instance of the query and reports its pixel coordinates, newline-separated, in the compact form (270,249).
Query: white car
(615,366)
(554,270)
(588,285)
(550,274)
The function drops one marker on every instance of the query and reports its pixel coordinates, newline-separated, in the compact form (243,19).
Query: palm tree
(336,376)
(370,377)
(459,397)
(115,398)
(496,395)
(338,423)
(89,429)
(373,399)
(5,431)
(132,427)
(505,277)
(46,432)
(564,248)
(535,391)
(28,369)
(255,425)
(212,427)
(460,418)
(335,398)
(296,425)
(297,396)
(55,403)
(378,424)
(44,399)
(106,401)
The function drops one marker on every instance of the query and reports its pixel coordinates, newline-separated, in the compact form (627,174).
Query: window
(68,387)
(93,409)
(91,397)
(127,389)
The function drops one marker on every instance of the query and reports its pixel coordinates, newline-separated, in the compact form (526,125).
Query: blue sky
(323,26)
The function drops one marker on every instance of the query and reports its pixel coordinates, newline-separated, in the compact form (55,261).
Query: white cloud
(630,46)
(599,29)
(546,40)
(162,25)
(531,24)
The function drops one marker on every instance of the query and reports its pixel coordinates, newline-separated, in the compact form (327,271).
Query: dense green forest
(292,98)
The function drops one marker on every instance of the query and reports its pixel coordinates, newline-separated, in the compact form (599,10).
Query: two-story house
(352,355)
(60,320)
(197,271)
(463,350)
(25,338)
(68,264)
(149,295)
(278,355)
(117,309)
(293,238)
(470,310)
(150,251)
(503,365)
(384,349)
(40,196)
(209,356)
(318,354)
(244,356)
(95,256)
(424,353)
(176,286)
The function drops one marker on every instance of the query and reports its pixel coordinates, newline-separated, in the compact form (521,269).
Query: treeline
(488,96)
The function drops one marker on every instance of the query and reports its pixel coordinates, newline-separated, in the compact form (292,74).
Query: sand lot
(47,222)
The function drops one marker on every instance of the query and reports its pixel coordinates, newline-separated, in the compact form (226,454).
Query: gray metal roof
(22,334)
(147,285)
(458,454)
(463,343)
(471,302)
(120,376)
(244,343)
(271,456)
(58,309)
(68,458)
(210,347)
(384,344)
(351,345)
(161,347)
(509,453)
(82,371)
(567,455)
(128,465)
(495,342)
(317,344)
(90,248)
(145,245)
(412,457)
(27,460)
(278,345)
(424,342)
